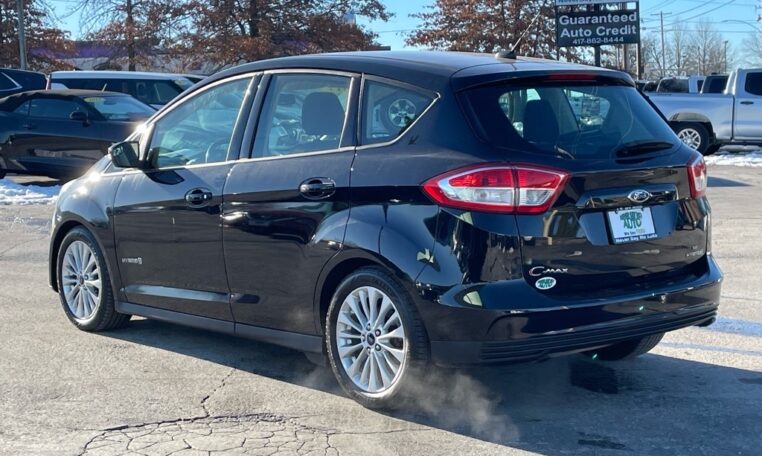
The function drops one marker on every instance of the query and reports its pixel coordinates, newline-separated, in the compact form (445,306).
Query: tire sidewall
(92,323)
(375,278)
(698,128)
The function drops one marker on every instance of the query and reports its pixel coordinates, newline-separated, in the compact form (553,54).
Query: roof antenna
(511,53)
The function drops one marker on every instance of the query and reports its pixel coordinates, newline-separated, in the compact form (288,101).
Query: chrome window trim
(17,85)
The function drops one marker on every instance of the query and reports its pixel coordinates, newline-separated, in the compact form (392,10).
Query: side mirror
(125,154)
(79,116)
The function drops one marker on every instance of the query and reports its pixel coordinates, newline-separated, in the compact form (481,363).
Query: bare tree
(707,49)
(489,26)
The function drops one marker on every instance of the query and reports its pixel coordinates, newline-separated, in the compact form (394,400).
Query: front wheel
(694,135)
(84,285)
(375,340)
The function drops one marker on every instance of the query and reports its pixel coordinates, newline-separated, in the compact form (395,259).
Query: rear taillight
(697,177)
(498,188)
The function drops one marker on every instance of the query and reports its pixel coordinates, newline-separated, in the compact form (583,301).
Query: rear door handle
(317,188)
(747,102)
(198,197)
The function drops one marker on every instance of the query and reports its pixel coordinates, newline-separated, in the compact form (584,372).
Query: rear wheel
(628,349)
(694,135)
(375,340)
(84,284)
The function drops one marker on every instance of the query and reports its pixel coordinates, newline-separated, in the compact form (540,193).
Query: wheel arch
(338,268)
(55,244)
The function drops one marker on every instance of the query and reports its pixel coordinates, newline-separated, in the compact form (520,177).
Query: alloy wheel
(690,137)
(81,280)
(401,112)
(370,339)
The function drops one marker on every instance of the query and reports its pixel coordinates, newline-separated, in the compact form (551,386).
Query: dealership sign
(596,28)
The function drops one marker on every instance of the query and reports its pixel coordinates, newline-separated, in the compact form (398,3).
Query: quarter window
(200,129)
(389,110)
(302,113)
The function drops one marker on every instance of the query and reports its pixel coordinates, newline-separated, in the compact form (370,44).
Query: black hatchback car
(392,209)
(62,133)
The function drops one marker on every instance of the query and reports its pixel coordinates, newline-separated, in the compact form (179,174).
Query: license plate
(631,224)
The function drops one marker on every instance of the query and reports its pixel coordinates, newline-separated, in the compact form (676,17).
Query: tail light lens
(498,188)
(697,177)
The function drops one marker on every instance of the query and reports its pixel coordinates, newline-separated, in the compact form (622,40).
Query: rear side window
(52,108)
(754,83)
(388,110)
(302,113)
(586,121)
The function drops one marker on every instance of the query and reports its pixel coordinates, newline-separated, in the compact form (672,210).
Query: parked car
(155,89)
(17,81)
(680,84)
(706,122)
(715,83)
(387,210)
(61,133)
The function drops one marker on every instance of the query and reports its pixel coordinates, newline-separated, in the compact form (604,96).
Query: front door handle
(747,102)
(198,197)
(317,188)
(29,126)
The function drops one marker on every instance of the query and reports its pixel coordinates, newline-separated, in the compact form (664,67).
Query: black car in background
(61,133)
(17,81)
(385,210)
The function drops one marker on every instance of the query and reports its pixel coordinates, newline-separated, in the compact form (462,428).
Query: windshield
(120,108)
(585,121)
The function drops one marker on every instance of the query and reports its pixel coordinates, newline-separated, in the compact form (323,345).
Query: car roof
(113,75)
(428,69)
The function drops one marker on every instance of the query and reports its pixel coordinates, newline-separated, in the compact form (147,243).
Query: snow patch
(13,193)
(749,158)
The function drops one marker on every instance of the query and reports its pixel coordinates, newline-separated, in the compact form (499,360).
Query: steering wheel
(217,151)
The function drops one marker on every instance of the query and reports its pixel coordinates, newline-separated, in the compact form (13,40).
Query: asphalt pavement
(154,388)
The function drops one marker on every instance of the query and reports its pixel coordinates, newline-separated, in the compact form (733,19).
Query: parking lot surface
(157,389)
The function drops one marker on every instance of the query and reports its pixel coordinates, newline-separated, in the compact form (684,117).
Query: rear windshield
(585,121)
(715,84)
(149,91)
(120,108)
(670,85)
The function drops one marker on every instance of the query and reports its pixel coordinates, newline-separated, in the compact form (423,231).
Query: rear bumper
(538,334)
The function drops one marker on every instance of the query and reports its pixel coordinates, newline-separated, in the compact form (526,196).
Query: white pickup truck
(708,121)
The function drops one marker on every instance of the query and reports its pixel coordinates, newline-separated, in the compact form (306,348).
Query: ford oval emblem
(639,196)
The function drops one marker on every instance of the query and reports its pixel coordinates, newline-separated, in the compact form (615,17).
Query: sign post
(593,23)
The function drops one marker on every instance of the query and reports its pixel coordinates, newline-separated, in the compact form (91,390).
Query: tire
(628,349)
(693,134)
(87,309)
(386,392)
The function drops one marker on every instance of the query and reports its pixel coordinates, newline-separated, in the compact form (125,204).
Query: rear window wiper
(640,147)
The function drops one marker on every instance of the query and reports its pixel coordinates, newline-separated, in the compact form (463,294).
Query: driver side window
(200,129)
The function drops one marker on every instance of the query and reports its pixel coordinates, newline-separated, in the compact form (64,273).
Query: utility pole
(663,45)
(663,60)
(725,58)
(22,34)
